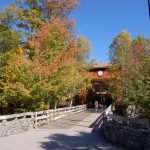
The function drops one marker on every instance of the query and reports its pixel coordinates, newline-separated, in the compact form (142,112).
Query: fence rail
(21,115)
(43,117)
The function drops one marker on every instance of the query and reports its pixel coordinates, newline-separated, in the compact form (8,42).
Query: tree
(120,48)
(120,51)
(138,93)
(27,17)
(8,38)
(130,81)
(54,68)
(55,46)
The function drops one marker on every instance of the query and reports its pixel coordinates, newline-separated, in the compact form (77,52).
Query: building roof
(101,65)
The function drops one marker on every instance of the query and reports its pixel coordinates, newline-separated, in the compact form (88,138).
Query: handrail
(5,117)
(109,109)
(46,116)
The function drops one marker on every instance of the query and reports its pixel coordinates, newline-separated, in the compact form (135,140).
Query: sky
(99,21)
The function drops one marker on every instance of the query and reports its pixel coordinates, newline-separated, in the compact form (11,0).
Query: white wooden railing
(44,117)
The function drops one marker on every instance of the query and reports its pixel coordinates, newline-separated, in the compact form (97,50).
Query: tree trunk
(55,107)
(71,101)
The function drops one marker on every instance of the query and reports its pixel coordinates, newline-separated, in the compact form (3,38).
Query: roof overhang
(101,65)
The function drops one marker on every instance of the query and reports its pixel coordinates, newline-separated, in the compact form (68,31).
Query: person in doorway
(96,106)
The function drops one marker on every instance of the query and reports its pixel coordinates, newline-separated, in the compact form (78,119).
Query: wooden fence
(44,117)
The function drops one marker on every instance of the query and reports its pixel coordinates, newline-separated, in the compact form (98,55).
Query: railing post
(47,117)
(53,114)
(35,118)
(103,120)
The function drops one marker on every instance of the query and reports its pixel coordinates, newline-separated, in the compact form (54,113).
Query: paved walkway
(78,132)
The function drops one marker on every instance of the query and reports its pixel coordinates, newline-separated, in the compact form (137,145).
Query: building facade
(99,75)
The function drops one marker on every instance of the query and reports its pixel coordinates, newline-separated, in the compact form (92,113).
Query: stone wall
(15,126)
(127,136)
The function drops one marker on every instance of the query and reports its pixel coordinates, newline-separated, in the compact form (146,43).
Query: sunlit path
(77,132)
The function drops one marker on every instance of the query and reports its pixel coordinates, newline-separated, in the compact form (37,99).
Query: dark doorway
(98,93)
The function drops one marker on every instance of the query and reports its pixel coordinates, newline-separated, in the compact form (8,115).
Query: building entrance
(98,93)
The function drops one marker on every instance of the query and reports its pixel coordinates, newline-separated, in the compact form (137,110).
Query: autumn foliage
(130,82)
(48,64)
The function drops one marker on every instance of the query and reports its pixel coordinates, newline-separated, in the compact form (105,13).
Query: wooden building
(98,74)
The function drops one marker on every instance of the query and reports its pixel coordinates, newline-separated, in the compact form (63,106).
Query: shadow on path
(73,140)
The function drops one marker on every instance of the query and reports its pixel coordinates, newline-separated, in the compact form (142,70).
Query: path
(78,132)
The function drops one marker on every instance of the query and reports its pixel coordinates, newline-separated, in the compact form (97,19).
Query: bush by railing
(108,115)
(127,120)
